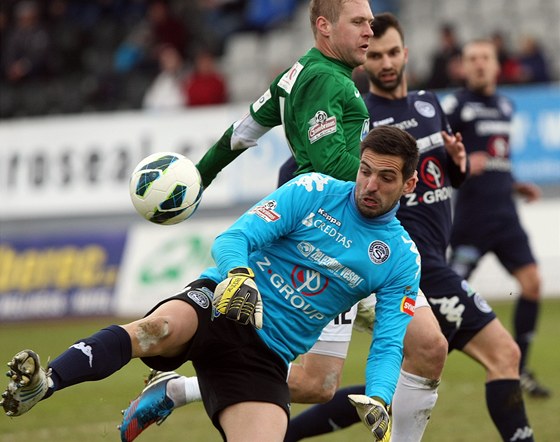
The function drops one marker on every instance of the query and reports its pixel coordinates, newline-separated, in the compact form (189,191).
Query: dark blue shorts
(232,362)
(459,309)
(506,239)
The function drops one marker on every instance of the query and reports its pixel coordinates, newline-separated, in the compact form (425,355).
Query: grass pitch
(90,412)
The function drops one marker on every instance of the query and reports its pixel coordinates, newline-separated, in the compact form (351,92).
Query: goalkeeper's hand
(373,413)
(238,298)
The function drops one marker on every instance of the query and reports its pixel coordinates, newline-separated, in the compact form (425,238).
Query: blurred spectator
(205,84)
(67,38)
(221,19)
(534,66)
(166,91)
(510,69)
(262,15)
(159,27)
(27,49)
(446,62)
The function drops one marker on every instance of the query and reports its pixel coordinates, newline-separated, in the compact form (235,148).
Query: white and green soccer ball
(165,188)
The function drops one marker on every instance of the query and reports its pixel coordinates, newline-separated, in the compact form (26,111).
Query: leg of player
(425,352)
(314,379)
(525,323)
(325,418)
(164,392)
(263,421)
(164,332)
(496,350)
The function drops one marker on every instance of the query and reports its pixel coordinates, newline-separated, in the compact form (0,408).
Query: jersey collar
(382,219)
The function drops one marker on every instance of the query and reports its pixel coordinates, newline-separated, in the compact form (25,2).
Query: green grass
(90,412)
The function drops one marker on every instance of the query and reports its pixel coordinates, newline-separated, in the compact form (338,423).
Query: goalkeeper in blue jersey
(301,256)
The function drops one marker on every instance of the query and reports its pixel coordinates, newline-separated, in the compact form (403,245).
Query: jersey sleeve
(266,110)
(455,175)
(319,105)
(393,311)
(217,157)
(270,219)
(451,108)
(241,135)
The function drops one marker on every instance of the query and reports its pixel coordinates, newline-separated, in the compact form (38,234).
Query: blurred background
(90,87)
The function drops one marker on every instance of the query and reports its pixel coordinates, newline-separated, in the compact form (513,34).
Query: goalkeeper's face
(380,183)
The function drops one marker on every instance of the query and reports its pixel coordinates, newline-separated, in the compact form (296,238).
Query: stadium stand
(85,35)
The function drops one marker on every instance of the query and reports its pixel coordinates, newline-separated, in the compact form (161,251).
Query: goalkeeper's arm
(374,414)
(238,298)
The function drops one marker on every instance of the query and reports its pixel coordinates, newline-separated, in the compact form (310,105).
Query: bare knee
(425,356)
(495,349)
(316,380)
(326,389)
(425,346)
(530,281)
(148,334)
(504,363)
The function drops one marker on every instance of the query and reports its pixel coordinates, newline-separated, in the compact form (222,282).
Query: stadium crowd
(72,56)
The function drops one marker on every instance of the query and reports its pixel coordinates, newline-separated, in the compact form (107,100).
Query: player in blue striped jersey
(486,218)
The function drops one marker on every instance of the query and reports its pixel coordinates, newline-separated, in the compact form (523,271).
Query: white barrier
(77,165)
(159,261)
(542,223)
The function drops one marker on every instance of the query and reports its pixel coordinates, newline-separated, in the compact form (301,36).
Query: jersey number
(342,319)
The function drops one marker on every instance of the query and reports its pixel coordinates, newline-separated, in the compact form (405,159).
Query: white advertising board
(79,165)
(159,261)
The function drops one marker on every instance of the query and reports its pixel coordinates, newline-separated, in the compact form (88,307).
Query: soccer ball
(165,188)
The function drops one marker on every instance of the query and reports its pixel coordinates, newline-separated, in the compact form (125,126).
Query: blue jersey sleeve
(393,311)
(271,218)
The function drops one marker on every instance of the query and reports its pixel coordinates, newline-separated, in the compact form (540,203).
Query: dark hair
(390,140)
(384,21)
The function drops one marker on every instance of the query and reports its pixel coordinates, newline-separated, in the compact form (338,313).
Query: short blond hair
(480,41)
(330,9)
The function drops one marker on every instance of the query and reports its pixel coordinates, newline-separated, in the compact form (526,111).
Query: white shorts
(335,338)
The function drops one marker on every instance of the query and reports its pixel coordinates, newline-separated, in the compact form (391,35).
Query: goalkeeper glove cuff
(374,414)
(238,297)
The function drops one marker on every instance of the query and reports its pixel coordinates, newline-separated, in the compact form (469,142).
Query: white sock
(183,390)
(414,399)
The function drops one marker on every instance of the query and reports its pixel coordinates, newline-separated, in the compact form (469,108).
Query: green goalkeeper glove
(373,413)
(238,298)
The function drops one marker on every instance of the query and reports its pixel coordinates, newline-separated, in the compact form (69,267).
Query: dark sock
(507,410)
(325,418)
(92,358)
(525,322)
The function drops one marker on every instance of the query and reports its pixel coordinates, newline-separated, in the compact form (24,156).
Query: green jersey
(323,114)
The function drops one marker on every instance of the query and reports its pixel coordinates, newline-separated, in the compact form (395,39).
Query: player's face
(349,36)
(379,183)
(386,60)
(480,66)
